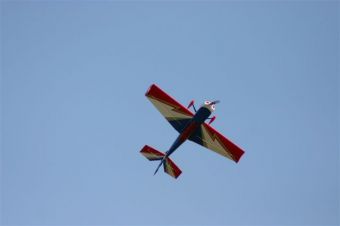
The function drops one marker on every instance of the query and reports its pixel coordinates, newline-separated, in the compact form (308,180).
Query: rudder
(169,166)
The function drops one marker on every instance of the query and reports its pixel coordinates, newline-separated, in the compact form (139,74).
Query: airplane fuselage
(200,116)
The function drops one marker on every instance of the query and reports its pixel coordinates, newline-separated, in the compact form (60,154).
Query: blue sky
(74,115)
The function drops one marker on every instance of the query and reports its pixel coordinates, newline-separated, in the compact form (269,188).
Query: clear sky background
(74,114)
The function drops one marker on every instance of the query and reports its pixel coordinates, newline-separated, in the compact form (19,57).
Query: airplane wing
(215,141)
(176,114)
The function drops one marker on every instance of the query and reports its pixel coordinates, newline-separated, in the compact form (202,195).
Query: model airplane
(191,126)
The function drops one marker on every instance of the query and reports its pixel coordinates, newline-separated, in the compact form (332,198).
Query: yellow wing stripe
(167,110)
(212,142)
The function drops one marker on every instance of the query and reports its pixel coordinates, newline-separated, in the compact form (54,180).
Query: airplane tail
(169,166)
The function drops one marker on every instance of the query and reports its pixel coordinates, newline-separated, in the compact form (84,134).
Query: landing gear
(211,119)
(191,104)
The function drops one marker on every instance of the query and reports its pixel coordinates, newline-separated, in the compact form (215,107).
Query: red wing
(174,112)
(215,141)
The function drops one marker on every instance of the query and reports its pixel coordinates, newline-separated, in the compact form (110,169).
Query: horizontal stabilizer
(151,154)
(171,168)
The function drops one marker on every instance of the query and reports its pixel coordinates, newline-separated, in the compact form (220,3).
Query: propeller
(215,102)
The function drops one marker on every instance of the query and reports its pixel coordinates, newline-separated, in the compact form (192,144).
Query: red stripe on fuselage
(188,131)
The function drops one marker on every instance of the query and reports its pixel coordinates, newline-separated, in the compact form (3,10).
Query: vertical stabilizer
(169,166)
